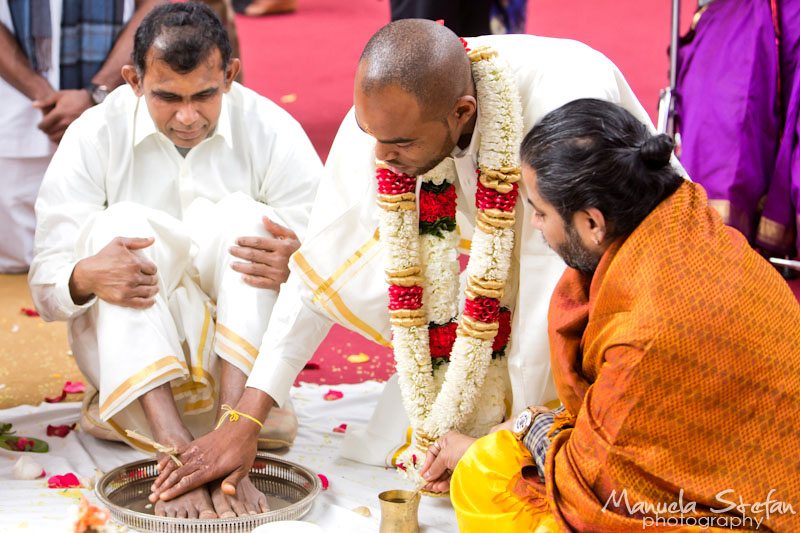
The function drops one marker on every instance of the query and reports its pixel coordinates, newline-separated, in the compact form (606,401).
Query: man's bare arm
(16,70)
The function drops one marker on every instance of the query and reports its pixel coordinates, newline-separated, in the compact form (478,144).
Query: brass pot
(398,512)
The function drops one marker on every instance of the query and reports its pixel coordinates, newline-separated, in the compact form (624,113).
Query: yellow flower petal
(358,358)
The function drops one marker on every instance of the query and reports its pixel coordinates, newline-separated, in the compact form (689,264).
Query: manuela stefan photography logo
(730,511)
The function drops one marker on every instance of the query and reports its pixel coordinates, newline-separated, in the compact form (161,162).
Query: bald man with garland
(419,108)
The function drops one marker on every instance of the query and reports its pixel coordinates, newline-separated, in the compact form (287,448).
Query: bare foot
(194,504)
(247,500)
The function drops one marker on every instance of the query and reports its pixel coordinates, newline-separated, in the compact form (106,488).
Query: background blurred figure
(259,8)
(508,16)
(467,18)
(76,46)
(737,113)
(224,10)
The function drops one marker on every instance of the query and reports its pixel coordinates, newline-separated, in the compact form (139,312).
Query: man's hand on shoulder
(268,257)
(60,109)
(116,275)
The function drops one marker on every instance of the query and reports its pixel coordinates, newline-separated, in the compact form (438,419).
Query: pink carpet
(305,61)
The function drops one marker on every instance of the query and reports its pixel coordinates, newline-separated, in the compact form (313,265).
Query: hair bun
(656,151)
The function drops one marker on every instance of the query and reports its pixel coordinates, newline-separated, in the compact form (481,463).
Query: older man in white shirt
(165,225)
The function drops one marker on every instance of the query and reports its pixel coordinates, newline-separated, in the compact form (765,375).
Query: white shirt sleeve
(295,330)
(72,190)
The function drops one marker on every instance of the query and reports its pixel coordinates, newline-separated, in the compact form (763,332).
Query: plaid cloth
(34,33)
(537,441)
(88,32)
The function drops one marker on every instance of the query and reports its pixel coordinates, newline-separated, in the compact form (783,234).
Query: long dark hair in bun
(592,153)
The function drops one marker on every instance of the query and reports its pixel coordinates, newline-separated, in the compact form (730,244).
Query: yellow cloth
(482,489)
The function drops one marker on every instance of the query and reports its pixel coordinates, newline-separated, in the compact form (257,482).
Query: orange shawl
(679,363)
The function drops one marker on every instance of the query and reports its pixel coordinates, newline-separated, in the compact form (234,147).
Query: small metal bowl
(290,491)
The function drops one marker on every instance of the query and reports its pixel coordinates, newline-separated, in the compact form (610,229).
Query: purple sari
(727,110)
(778,227)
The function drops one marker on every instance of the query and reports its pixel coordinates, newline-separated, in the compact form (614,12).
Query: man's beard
(574,253)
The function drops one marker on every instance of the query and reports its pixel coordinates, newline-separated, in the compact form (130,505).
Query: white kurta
(115,174)
(337,275)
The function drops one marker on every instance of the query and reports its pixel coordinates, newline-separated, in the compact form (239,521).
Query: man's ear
(463,110)
(591,225)
(233,70)
(131,76)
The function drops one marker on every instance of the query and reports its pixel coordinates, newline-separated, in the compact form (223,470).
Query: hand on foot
(247,500)
(194,504)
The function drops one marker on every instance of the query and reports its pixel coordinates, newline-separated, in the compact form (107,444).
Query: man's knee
(123,219)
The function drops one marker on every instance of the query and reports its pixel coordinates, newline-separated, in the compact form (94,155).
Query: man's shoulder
(534,50)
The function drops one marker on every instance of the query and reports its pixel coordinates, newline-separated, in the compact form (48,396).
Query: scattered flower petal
(324,481)
(311,366)
(56,399)
(74,388)
(23,444)
(341,428)
(333,395)
(402,467)
(90,517)
(363,511)
(59,431)
(288,98)
(358,358)
(14,328)
(27,468)
(67,481)
(29,312)
(414,460)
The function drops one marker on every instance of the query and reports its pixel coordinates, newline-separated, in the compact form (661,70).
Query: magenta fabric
(783,197)
(727,110)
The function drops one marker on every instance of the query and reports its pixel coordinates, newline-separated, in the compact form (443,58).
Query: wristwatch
(97,92)
(524,421)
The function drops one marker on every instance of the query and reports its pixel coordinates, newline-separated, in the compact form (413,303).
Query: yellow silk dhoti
(489,494)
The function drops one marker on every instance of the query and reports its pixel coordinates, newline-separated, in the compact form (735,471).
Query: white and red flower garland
(422,264)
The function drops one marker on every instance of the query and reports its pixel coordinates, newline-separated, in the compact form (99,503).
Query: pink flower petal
(67,481)
(74,388)
(340,429)
(324,481)
(402,467)
(56,399)
(42,474)
(22,444)
(333,395)
(311,366)
(59,431)
(29,312)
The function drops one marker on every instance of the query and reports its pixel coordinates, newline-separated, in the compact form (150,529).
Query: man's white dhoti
(203,311)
